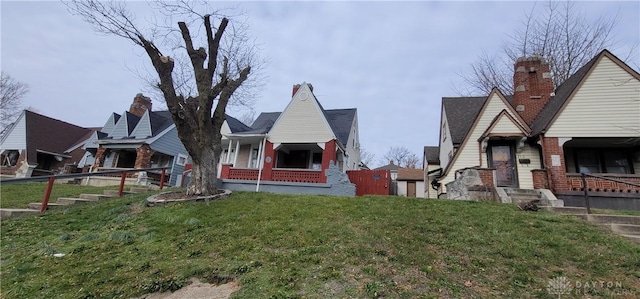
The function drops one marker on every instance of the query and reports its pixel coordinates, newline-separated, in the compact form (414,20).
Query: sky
(393,61)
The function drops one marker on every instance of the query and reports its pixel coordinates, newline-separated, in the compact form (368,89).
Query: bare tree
(402,157)
(367,157)
(197,89)
(561,34)
(11,94)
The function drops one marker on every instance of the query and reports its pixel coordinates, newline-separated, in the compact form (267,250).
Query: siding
(120,129)
(606,105)
(504,125)
(469,154)
(109,125)
(170,144)
(301,122)
(353,146)
(143,128)
(420,189)
(224,129)
(446,146)
(243,155)
(16,139)
(525,178)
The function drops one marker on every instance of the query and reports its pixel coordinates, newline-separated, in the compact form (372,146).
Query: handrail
(586,189)
(76,175)
(53,178)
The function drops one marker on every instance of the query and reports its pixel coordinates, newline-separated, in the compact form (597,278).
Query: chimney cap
(531,58)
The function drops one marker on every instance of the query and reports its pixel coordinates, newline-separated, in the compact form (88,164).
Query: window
(254,158)
(602,161)
(182,160)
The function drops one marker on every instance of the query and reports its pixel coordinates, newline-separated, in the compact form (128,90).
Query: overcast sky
(393,61)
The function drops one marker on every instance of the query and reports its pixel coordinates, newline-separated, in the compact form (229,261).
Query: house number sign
(267,159)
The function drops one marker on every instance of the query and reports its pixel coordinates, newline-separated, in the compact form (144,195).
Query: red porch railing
(278,175)
(596,183)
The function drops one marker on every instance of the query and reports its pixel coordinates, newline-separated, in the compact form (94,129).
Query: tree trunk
(204,174)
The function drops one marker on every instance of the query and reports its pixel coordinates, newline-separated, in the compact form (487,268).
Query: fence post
(122,179)
(47,194)
(586,193)
(162,178)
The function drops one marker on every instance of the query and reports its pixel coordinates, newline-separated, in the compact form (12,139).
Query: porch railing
(278,175)
(611,183)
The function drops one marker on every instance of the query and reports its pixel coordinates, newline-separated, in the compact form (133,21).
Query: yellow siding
(525,178)
(504,125)
(606,105)
(469,154)
(301,122)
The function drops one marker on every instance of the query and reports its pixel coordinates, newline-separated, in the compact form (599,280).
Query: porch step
(38,205)
(72,201)
(632,238)
(7,213)
(566,210)
(611,219)
(95,196)
(626,229)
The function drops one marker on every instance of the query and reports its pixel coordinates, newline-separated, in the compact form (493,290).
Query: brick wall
(532,86)
(143,156)
(486,175)
(557,175)
(101,154)
(540,179)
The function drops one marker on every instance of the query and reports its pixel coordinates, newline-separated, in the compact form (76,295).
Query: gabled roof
(410,174)
(504,115)
(565,91)
(235,125)
(461,113)
(390,166)
(160,120)
(432,154)
(50,135)
(340,121)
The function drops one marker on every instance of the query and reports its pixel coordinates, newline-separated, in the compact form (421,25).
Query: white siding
(353,146)
(446,146)
(420,189)
(302,121)
(225,130)
(428,191)
(16,138)
(606,105)
(525,178)
(143,128)
(469,154)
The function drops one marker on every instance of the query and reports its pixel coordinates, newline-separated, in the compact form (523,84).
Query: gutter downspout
(264,141)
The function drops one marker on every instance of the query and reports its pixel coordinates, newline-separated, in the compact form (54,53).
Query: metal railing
(52,178)
(585,188)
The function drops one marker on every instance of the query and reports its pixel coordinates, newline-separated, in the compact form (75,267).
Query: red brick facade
(143,156)
(533,86)
(140,105)
(486,175)
(557,175)
(600,185)
(540,179)
(101,154)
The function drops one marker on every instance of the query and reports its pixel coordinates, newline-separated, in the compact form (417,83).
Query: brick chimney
(140,105)
(533,86)
(297,86)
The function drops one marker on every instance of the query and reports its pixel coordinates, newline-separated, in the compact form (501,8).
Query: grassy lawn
(287,246)
(19,195)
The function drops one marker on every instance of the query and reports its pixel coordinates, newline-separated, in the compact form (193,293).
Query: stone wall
(470,185)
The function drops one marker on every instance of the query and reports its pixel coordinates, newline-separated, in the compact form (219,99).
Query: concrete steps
(34,207)
(627,226)
(8,213)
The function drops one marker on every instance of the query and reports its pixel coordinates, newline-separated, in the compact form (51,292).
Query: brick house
(543,137)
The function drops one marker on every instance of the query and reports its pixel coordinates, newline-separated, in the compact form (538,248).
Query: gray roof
(235,125)
(389,166)
(160,120)
(461,112)
(132,121)
(265,121)
(432,154)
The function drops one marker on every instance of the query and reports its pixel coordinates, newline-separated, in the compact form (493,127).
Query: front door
(411,189)
(502,159)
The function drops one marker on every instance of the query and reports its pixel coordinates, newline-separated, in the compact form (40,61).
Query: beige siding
(428,191)
(302,121)
(225,130)
(525,178)
(606,105)
(504,125)
(469,154)
(446,144)
(353,146)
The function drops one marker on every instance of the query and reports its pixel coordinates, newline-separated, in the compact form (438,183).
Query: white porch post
(260,153)
(235,157)
(226,159)
(261,159)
